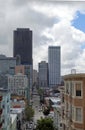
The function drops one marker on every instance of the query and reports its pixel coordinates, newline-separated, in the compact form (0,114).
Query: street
(37,112)
(36,106)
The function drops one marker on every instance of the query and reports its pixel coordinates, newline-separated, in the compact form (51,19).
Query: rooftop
(77,75)
(13,117)
(16,110)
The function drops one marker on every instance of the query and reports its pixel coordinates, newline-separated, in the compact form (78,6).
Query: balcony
(0,98)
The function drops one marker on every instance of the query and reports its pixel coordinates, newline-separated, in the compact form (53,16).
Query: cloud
(51,23)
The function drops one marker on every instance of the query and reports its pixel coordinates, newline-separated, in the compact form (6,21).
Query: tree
(41,94)
(45,124)
(46,111)
(40,91)
(29,113)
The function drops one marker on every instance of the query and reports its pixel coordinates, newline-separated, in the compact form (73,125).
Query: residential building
(54,66)
(4,109)
(57,116)
(23,45)
(73,115)
(43,74)
(18,84)
(7,64)
(4,81)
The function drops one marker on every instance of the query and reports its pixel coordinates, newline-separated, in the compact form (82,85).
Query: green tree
(45,124)
(46,111)
(29,113)
(40,91)
(41,94)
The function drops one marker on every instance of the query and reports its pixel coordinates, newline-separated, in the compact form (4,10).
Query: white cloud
(51,23)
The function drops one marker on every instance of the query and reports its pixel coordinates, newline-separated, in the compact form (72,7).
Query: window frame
(76,89)
(77,121)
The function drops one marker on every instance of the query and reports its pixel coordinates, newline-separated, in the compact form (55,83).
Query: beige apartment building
(73,112)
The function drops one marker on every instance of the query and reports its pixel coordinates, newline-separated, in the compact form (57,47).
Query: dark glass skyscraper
(23,45)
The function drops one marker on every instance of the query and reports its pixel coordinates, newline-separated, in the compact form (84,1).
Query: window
(73,112)
(78,92)
(78,88)
(72,88)
(67,88)
(3,106)
(78,114)
(60,124)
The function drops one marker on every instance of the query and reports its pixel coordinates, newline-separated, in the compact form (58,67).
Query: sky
(53,23)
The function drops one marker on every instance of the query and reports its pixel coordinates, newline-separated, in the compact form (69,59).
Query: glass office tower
(23,45)
(54,66)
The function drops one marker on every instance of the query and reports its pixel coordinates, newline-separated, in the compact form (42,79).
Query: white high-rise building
(54,66)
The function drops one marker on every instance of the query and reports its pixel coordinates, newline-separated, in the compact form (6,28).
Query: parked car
(30,127)
(40,110)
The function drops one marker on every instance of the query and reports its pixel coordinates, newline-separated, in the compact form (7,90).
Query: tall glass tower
(23,45)
(54,66)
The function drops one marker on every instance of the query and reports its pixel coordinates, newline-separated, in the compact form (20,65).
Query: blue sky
(79,22)
(40,18)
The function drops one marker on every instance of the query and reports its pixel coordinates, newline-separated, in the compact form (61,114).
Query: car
(34,126)
(31,122)
(30,126)
(40,110)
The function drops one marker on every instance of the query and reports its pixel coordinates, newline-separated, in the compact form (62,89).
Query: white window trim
(73,118)
(68,87)
(80,97)
(75,115)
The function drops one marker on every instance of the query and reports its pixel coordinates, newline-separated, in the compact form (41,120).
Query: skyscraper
(54,65)
(23,45)
(43,74)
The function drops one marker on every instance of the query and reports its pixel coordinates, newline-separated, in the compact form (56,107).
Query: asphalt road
(38,114)
(37,107)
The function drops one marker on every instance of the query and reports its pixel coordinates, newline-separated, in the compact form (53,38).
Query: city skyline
(52,23)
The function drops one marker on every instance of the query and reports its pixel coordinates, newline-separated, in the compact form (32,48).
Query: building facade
(43,74)
(57,117)
(18,84)
(74,101)
(4,109)
(23,45)
(4,81)
(7,64)
(54,66)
